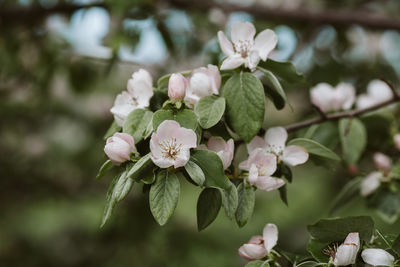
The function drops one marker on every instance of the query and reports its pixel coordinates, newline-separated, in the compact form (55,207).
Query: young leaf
(332,230)
(257,263)
(245,104)
(208,206)
(141,168)
(108,165)
(185,117)
(353,137)
(315,148)
(210,110)
(195,172)
(213,170)
(284,70)
(164,196)
(274,83)
(137,123)
(119,188)
(349,191)
(246,204)
(112,130)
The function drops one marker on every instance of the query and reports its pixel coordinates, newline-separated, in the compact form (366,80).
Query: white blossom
(224,149)
(377,257)
(377,92)
(346,253)
(329,98)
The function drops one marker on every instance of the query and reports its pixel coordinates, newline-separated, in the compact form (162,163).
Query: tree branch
(341,115)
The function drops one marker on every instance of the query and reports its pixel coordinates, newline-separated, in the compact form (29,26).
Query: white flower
(223,149)
(329,98)
(260,246)
(119,147)
(261,165)
(170,145)
(274,142)
(396,139)
(138,94)
(373,180)
(177,86)
(377,92)
(203,82)
(346,253)
(245,49)
(377,257)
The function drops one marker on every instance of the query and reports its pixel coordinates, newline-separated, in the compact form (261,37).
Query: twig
(319,110)
(395,94)
(341,115)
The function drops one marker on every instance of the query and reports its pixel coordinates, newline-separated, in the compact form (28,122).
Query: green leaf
(137,123)
(274,84)
(284,70)
(213,170)
(210,110)
(315,148)
(114,128)
(208,206)
(141,168)
(387,203)
(396,246)
(195,172)
(326,133)
(283,194)
(118,190)
(164,196)
(353,137)
(162,83)
(185,117)
(245,104)
(349,191)
(245,208)
(333,230)
(316,248)
(108,165)
(310,264)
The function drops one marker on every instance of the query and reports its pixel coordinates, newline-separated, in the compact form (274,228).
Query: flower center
(170,148)
(276,150)
(262,171)
(243,47)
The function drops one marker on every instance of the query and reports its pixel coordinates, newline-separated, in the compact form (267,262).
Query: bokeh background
(63,62)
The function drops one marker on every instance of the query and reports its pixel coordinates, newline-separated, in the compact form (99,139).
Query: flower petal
(253,174)
(270,236)
(321,96)
(379,90)
(294,155)
(265,42)
(347,252)
(243,31)
(256,142)
(276,136)
(232,62)
(252,252)
(226,46)
(267,183)
(347,95)
(377,257)
(370,183)
(383,162)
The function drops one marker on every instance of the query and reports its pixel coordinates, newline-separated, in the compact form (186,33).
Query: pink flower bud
(383,162)
(397,141)
(119,147)
(177,87)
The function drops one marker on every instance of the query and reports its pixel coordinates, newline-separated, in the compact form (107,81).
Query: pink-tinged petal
(347,95)
(370,183)
(396,140)
(200,83)
(265,162)
(127,138)
(253,174)
(379,90)
(276,136)
(155,147)
(257,240)
(202,147)
(294,155)
(346,253)
(123,105)
(265,42)
(162,162)
(256,142)
(223,149)
(143,75)
(377,257)
(177,86)
(252,252)
(383,162)
(242,31)
(216,143)
(267,183)
(186,137)
(141,91)
(252,60)
(226,46)
(321,96)
(244,165)
(165,129)
(182,158)
(270,236)
(215,77)
(232,62)
(365,101)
